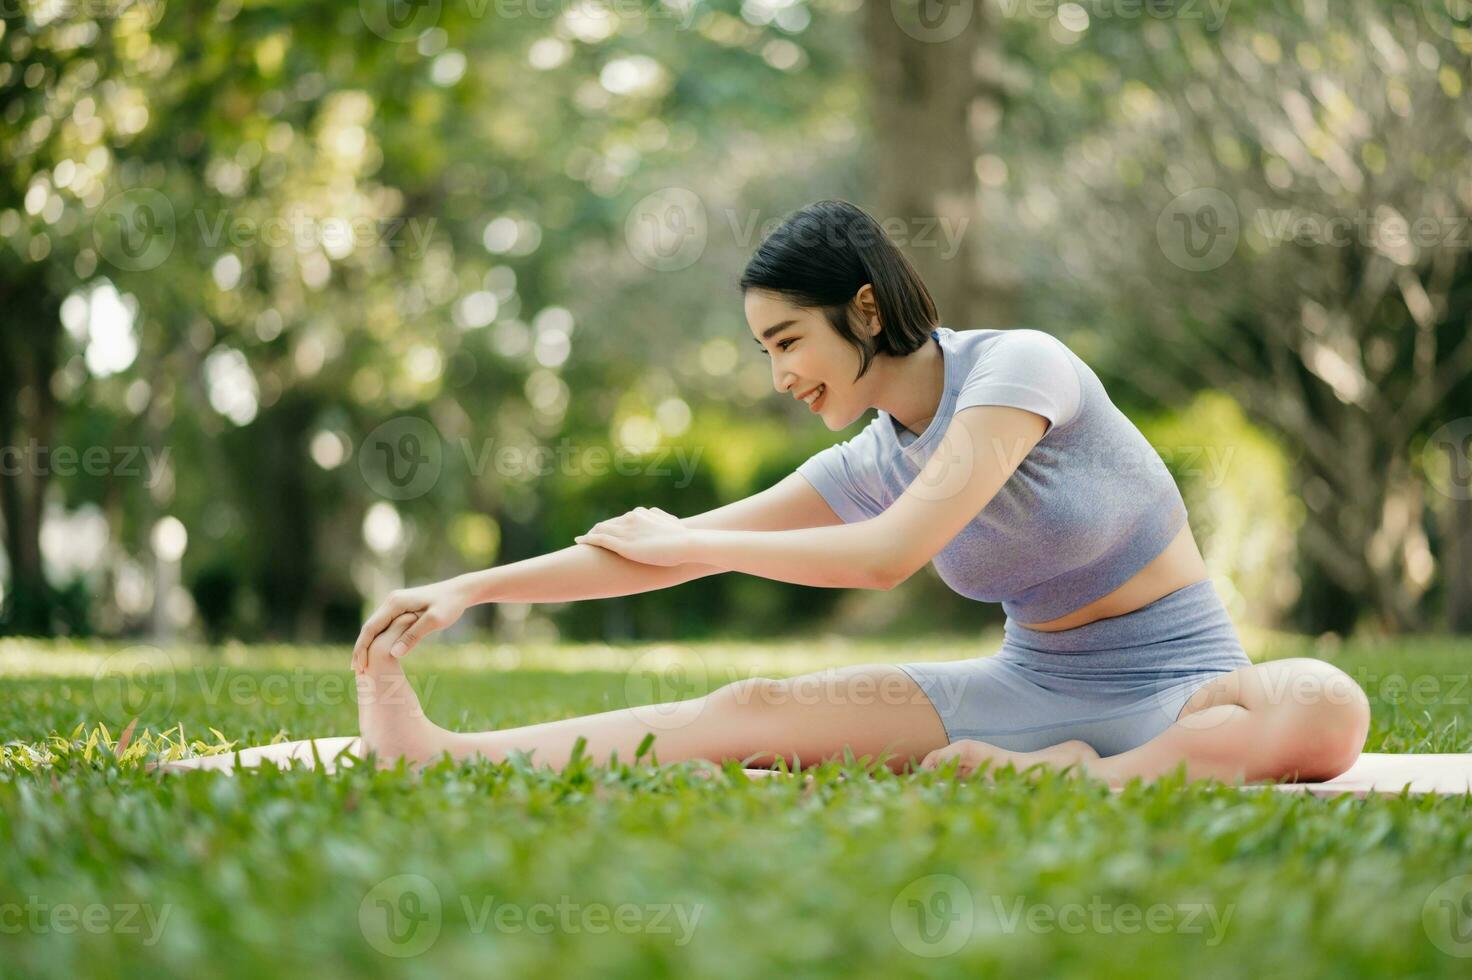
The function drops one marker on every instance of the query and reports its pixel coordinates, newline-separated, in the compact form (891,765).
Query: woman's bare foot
(391,722)
(972,754)
(1071,753)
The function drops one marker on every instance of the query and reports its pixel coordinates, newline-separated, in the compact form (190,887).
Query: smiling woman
(997,456)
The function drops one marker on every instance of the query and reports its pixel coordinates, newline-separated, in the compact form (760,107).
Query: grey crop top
(1087,508)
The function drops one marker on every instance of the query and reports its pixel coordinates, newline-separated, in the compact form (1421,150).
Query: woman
(998,456)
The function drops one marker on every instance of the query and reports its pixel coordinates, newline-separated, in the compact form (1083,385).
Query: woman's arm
(979,450)
(585,571)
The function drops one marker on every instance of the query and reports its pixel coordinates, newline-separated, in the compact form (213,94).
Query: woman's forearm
(582,571)
(841,556)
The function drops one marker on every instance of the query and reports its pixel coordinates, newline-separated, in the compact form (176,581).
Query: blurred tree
(1275,207)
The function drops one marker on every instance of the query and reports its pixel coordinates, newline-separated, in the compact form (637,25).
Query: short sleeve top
(1089,506)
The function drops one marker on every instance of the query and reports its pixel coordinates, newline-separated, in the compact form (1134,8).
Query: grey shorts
(1114,683)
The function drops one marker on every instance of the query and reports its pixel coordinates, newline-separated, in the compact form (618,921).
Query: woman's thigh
(1288,682)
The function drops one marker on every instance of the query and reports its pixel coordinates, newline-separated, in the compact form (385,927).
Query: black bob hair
(821,256)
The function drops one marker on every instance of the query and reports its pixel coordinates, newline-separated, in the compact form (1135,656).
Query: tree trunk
(28,354)
(1456,563)
(931,109)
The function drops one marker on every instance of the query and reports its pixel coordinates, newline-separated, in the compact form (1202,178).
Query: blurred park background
(302,302)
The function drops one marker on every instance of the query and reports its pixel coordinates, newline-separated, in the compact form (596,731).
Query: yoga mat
(1448,773)
(1443,773)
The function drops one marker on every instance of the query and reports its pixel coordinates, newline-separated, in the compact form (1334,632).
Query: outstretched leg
(1296,719)
(872,710)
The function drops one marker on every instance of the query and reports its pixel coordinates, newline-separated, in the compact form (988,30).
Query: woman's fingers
(389,610)
(380,621)
(383,643)
(416,631)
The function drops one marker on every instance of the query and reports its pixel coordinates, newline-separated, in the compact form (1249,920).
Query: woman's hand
(645,534)
(435,606)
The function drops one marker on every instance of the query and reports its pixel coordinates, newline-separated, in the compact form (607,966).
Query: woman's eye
(783,346)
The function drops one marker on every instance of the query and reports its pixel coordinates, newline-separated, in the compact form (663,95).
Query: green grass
(631,870)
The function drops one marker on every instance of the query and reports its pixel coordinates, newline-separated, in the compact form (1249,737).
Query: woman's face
(807,355)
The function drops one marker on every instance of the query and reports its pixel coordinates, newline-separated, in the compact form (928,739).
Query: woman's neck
(914,386)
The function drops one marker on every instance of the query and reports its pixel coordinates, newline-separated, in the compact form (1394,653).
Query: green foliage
(1236,482)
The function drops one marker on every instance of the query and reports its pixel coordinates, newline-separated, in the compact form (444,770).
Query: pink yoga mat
(1445,773)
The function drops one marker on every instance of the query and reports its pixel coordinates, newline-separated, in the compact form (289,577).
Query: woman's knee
(747,693)
(1326,716)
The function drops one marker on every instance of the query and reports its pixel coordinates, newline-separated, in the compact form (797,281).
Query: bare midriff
(1178,566)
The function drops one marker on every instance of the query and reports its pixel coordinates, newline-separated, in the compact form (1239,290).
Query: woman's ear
(868,309)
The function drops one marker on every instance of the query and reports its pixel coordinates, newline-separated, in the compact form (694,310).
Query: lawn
(506,869)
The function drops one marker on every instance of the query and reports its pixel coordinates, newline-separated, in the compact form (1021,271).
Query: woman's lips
(819,400)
